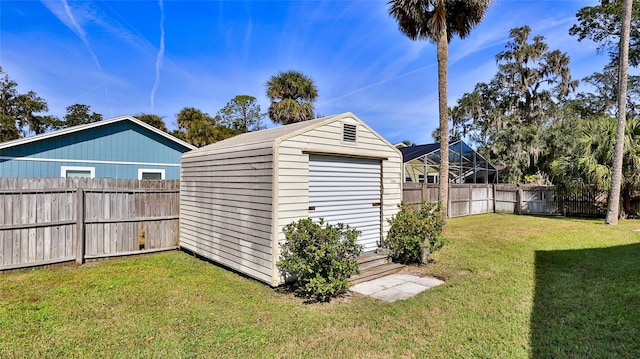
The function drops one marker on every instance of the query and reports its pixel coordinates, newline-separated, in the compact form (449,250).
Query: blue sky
(129,57)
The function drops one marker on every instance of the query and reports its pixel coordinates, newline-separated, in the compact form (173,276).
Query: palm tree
(292,95)
(590,160)
(613,209)
(199,128)
(153,120)
(188,115)
(438,21)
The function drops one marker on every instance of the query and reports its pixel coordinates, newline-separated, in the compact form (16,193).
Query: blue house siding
(115,150)
(33,169)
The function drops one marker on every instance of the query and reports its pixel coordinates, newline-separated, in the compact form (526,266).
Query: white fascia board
(73,129)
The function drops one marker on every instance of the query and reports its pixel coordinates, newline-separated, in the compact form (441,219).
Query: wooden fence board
(99,206)
(506,198)
(55,230)
(106,228)
(23,256)
(8,235)
(69,206)
(46,233)
(118,237)
(3,246)
(133,227)
(113,230)
(90,231)
(31,233)
(39,224)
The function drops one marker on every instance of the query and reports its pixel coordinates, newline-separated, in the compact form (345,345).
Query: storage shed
(237,195)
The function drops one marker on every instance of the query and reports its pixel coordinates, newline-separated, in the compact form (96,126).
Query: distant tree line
(529,119)
(291,94)
(531,122)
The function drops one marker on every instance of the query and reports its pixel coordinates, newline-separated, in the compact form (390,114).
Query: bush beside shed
(236,195)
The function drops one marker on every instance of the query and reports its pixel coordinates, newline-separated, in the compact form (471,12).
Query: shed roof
(271,135)
(79,128)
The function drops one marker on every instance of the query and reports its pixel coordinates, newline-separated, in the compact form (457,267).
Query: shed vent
(349,132)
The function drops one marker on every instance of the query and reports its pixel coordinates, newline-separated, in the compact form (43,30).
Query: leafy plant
(415,233)
(321,257)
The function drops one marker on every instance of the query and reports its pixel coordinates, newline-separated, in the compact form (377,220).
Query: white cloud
(159,58)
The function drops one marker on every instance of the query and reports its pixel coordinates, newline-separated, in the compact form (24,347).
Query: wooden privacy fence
(469,199)
(46,221)
(588,203)
(549,200)
(464,199)
(526,199)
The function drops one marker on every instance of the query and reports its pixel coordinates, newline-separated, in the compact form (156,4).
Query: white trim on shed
(237,195)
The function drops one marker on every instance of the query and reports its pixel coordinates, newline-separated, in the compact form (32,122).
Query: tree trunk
(616,177)
(443,111)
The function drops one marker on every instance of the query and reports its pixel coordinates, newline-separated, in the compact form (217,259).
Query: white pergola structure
(421,164)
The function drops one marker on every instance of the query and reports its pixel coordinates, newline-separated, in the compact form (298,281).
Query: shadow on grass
(587,303)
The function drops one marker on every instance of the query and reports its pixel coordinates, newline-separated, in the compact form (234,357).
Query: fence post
(493,189)
(448,200)
(519,200)
(470,204)
(80,238)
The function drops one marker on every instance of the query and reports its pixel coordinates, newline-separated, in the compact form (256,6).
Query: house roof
(276,134)
(459,147)
(79,128)
(413,152)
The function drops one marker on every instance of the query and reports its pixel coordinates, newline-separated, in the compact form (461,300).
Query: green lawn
(516,286)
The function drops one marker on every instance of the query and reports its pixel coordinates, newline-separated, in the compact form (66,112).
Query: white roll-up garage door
(347,190)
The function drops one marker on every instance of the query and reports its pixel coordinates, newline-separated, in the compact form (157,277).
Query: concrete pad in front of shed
(410,288)
(395,286)
(428,281)
(391,295)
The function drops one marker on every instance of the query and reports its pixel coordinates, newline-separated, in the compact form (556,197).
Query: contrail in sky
(159,57)
(98,85)
(78,30)
(381,82)
(71,23)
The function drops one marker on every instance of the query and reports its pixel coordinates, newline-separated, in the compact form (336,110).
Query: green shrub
(321,257)
(415,233)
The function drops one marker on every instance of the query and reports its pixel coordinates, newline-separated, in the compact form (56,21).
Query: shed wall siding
(225,209)
(124,142)
(293,166)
